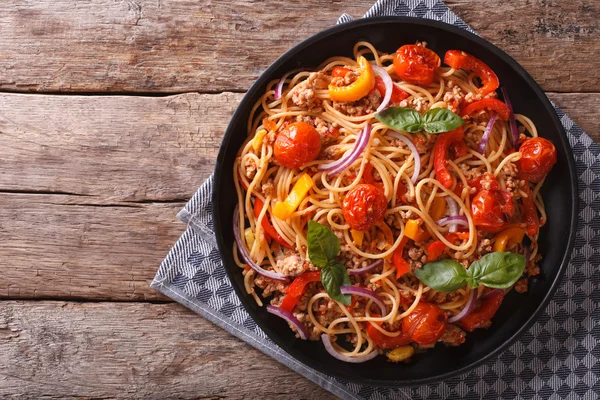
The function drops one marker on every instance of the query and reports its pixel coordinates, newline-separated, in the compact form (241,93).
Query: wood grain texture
(173,46)
(56,350)
(54,246)
(112,148)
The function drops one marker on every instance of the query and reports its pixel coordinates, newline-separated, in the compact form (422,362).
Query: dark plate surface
(559,191)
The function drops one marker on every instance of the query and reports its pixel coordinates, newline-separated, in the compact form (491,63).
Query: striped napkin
(556,359)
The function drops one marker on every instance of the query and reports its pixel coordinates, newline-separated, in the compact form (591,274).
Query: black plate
(560,195)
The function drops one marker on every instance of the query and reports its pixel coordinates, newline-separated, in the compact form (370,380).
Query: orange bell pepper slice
(284,209)
(513,234)
(414,231)
(357,89)
(438,208)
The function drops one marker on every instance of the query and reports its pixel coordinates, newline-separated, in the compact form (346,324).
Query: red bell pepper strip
(268,228)
(479,318)
(531,216)
(402,267)
(491,104)
(296,289)
(435,250)
(460,148)
(385,341)
(458,59)
(440,152)
(397,94)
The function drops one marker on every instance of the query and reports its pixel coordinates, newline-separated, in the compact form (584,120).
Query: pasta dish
(388,202)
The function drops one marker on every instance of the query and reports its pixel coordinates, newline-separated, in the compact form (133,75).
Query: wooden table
(111,113)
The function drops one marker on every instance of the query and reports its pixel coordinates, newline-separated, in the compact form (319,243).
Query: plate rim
(265,76)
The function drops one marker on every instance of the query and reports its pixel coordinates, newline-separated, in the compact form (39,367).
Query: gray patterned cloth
(558,358)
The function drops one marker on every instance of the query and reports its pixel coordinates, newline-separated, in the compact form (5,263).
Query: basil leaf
(498,270)
(443,275)
(323,245)
(438,120)
(333,276)
(401,119)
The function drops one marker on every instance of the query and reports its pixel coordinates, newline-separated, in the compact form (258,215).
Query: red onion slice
(347,159)
(369,294)
(289,317)
(279,87)
(453,221)
(414,151)
(468,308)
(389,86)
(364,270)
(244,252)
(487,133)
(512,120)
(453,206)
(335,354)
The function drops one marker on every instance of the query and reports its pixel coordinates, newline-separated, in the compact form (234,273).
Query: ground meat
(415,253)
(424,142)
(364,106)
(454,336)
(269,286)
(487,180)
(420,104)
(267,188)
(306,97)
(484,247)
(291,264)
(471,97)
(443,297)
(454,99)
(521,285)
(270,137)
(250,168)
(532,268)
(318,80)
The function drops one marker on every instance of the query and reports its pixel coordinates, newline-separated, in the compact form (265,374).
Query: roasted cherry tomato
(364,206)
(492,209)
(538,158)
(297,144)
(426,324)
(385,341)
(477,183)
(397,94)
(481,317)
(458,59)
(416,64)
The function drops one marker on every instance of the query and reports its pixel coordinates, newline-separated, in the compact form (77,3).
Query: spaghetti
(417,172)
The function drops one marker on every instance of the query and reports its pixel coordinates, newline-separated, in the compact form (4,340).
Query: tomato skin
(426,324)
(364,206)
(458,59)
(416,64)
(492,209)
(297,144)
(387,342)
(538,158)
(480,317)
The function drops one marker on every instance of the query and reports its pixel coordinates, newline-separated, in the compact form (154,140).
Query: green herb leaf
(333,276)
(401,119)
(438,120)
(498,270)
(443,275)
(323,245)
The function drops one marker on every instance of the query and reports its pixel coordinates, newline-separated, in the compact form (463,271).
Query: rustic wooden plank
(55,247)
(61,350)
(115,148)
(188,45)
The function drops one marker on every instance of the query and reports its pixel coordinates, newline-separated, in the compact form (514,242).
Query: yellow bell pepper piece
(357,89)
(249,236)
(357,237)
(401,353)
(513,235)
(438,208)
(284,209)
(414,231)
(258,139)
